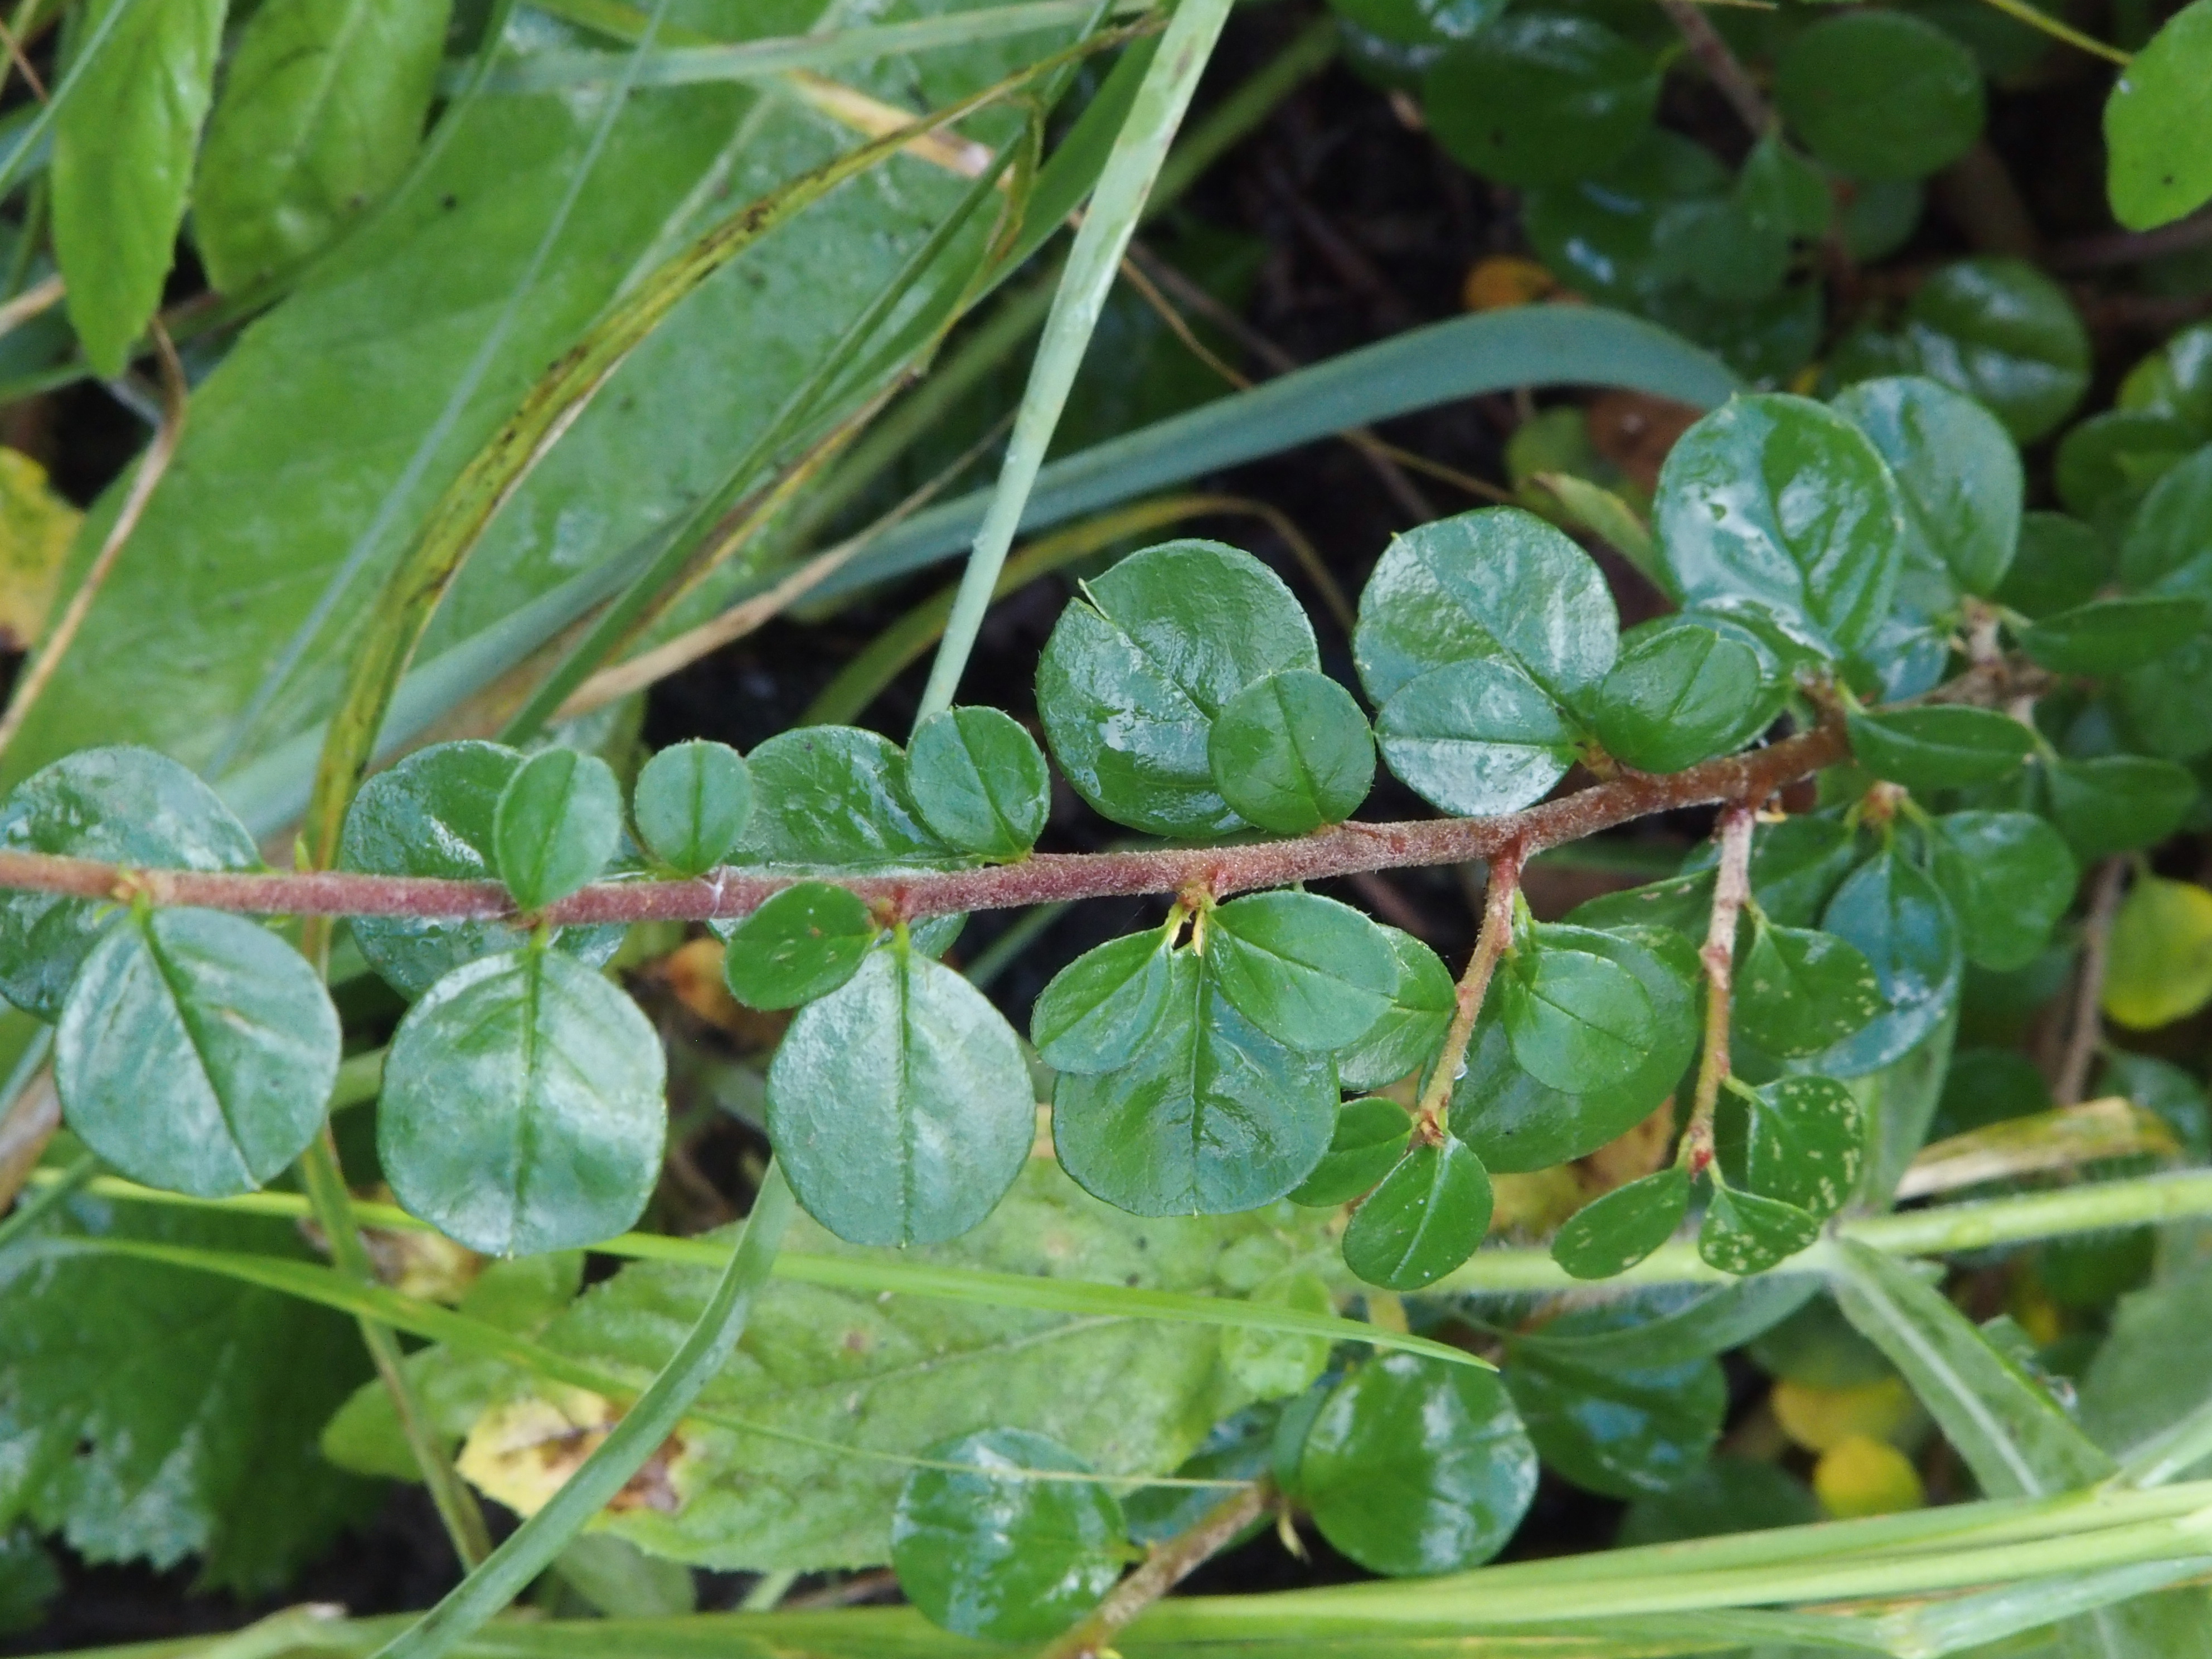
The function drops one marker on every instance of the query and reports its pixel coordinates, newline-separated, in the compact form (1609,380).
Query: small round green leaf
(1743,1233)
(1941,746)
(1369,1139)
(1880,95)
(1798,990)
(1427,1217)
(2162,547)
(1956,468)
(1414,1465)
(1411,1027)
(2061,562)
(1576,1021)
(1611,1234)
(1602,234)
(1805,1144)
(1311,973)
(1728,1493)
(986,1551)
(2005,334)
(1292,752)
(1541,98)
(195,1052)
(1682,692)
(692,803)
(2158,126)
(127,806)
(2117,803)
(522,1107)
(803,943)
(900,1104)
(2008,877)
(2107,463)
(1476,739)
(834,797)
(1896,917)
(1622,1430)
(557,826)
(979,780)
(2114,636)
(1098,1010)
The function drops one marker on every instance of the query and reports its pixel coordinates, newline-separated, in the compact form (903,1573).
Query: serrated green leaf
(1611,1234)
(1898,919)
(195,1052)
(1428,1215)
(2160,964)
(1798,990)
(2008,877)
(1411,1027)
(1682,692)
(2117,803)
(1957,469)
(1097,1011)
(979,780)
(1624,1431)
(1941,746)
(1415,1467)
(127,806)
(1541,98)
(521,1109)
(1476,739)
(1130,682)
(1880,95)
(1804,1144)
(834,797)
(992,1554)
(692,803)
(1577,1022)
(557,824)
(2114,636)
(900,1104)
(1311,973)
(2157,132)
(1743,1233)
(2005,334)
(1369,1141)
(1291,752)
(803,943)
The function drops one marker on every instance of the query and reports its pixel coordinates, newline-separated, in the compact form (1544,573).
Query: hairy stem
(1167,1565)
(1430,1118)
(2087,1027)
(1731,889)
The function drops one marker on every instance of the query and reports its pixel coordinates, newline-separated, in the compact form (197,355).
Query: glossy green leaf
(2008,877)
(2117,803)
(1743,1233)
(834,797)
(1211,1116)
(1411,1027)
(1418,23)
(990,1553)
(1497,585)
(1798,865)
(1898,919)
(1541,98)
(1577,1022)
(1476,739)
(557,824)
(899,1104)
(802,944)
(1798,990)
(1624,1431)
(1804,1144)
(1880,95)
(1428,1215)
(692,803)
(1679,904)
(1729,1494)
(1941,746)
(2158,703)
(1097,1011)
(1369,1141)
(979,780)
(2061,562)
(1291,752)
(1240,1447)
(2107,463)
(2162,547)
(1956,467)
(1611,1234)
(195,1052)
(322,107)
(1602,234)
(2158,132)
(2005,334)
(1311,973)
(127,806)
(123,164)
(1779,500)
(1414,1467)
(1682,692)
(2111,637)
(521,1109)
(433,815)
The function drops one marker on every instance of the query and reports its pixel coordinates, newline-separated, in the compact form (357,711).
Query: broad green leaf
(1427,1217)
(1516,1123)
(1624,1431)
(1476,739)
(521,1109)
(2174,379)
(2158,703)
(1577,1021)
(2111,637)
(1276,1364)
(2008,877)
(1136,671)
(1611,1234)
(2157,130)
(1682,692)
(1781,501)
(321,110)
(2106,465)
(557,824)
(2117,803)
(1495,586)
(1602,234)
(2153,1370)
(1311,973)
(979,780)
(834,797)
(900,1104)
(1418,23)
(1097,1011)
(1725,1494)
(1679,904)
(1796,865)
(1368,1144)
(1898,919)
(992,1554)
(1291,752)
(1411,1027)
(804,943)
(2162,547)
(1941,746)
(433,815)
(1956,465)
(1804,1144)
(123,164)
(2161,966)
(2005,334)
(692,803)
(1541,98)
(1414,1467)
(195,1052)
(1674,1322)
(1880,95)
(1798,990)
(2061,562)
(127,806)
(1743,1233)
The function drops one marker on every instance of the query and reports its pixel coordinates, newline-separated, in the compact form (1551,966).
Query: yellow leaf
(36,528)
(1861,1477)
(2161,968)
(1821,1419)
(1504,281)
(524,1451)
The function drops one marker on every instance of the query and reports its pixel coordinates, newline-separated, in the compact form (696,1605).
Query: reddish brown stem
(1498,901)
(1163,1569)
(1731,891)
(1722,66)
